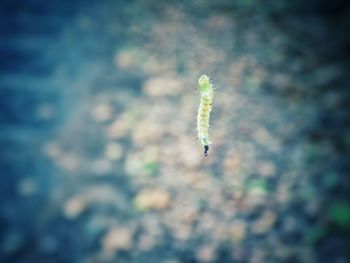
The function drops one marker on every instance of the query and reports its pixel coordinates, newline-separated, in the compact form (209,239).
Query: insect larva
(206,101)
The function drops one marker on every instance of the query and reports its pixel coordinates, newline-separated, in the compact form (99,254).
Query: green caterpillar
(207,92)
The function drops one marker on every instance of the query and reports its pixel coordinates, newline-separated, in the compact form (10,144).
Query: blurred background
(99,157)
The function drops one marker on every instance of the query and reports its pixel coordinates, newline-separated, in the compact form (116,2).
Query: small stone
(258,255)
(206,222)
(52,149)
(266,169)
(188,154)
(280,80)
(206,253)
(114,151)
(239,254)
(153,199)
(102,112)
(264,223)
(283,253)
(313,207)
(283,194)
(171,261)
(219,22)
(98,224)
(45,111)
(127,59)
(232,164)
(147,242)
(238,230)
(157,87)
(68,161)
(101,166)
(266,138)
(182,232)
(133,164)
(74,207)
(289,224)
(147,132)
(189,214)
(102,195)
(27,187)
(118,128)
(219,232)
(117,239)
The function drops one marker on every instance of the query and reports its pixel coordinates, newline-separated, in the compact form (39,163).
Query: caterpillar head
(204,83)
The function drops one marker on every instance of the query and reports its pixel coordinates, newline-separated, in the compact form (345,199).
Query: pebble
(147,132)
(27,187)
(264,224)
(133,164)
(45,111)
(238,231)
(127,59)
(74,207)
(68,162)
(313,207)
(52,149)
(147,242)
(182,232)
(284,253)
(289,224)
(113,151)
(102,112)
(119,128)
(117,239)
(189,155)
(163,86)
(267,139)
(105,195)
(232,164)
(220,23)
(101,166)
(258,255)
(157,199)
(283,194)
(239,254)
(97,225)
(206,222)
(266,169)
(206,253)
(171,261)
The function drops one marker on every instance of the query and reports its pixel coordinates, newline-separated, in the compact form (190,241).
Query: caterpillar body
(206,101)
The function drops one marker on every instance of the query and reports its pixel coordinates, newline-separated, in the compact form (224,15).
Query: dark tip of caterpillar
(206,149)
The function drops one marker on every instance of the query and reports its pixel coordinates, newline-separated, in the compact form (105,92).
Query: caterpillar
(206,100)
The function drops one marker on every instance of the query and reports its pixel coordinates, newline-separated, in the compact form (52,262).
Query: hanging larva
(206,92)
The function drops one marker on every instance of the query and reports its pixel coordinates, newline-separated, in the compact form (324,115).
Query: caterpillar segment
(206,100)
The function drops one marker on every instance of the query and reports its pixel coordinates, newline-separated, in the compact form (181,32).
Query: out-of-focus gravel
(120,177)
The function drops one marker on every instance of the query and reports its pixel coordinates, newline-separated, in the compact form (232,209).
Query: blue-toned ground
(99,158)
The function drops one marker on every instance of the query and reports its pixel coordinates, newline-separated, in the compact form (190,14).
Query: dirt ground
(99,157)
